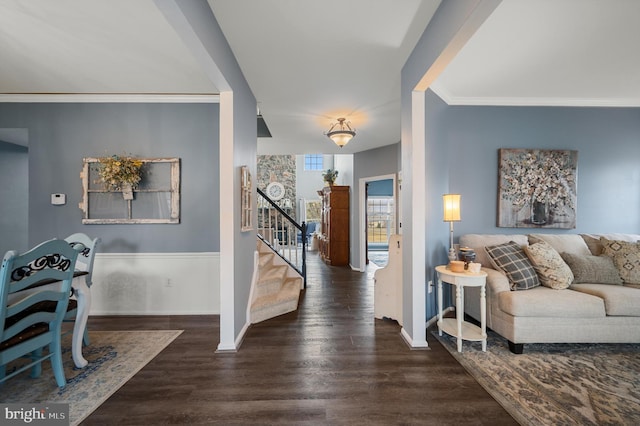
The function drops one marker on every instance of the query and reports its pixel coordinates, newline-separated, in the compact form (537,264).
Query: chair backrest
(312,227)
(23,279)
(87,255)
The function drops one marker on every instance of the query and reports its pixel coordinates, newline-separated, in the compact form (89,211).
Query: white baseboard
(156,284)
(413,344)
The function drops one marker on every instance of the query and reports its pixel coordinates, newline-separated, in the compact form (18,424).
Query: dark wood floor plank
(329,363)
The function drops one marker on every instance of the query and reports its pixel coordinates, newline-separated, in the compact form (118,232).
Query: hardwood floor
(329,363)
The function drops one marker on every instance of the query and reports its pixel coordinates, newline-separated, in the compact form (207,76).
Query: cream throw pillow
(552,270)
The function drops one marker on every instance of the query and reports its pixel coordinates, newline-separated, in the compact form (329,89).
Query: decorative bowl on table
(456,266)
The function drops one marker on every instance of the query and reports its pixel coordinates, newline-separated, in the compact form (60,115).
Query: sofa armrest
(497,282)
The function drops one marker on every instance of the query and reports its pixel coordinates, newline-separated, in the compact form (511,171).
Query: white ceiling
(550,52)
(93,46)
(310,62)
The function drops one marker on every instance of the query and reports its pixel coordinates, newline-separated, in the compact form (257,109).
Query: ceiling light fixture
(341,133)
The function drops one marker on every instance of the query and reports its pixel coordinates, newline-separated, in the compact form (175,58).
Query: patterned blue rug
(380,258)
(114,357)
(557,384)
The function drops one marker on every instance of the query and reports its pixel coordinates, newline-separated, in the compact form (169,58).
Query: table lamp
(451,214)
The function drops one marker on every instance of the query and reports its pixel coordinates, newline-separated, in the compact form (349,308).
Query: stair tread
(276,272)
(266,258)
(290,290)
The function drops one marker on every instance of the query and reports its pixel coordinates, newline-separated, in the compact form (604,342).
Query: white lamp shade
(341,138)
(451,207)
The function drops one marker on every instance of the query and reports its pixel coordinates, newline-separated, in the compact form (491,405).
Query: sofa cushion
(618,300)
(546,302)
(563,243)
(478,242)
(512,260)
(552,271)
(592,269)
(626,257)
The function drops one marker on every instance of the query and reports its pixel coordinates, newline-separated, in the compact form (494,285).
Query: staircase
(277,286)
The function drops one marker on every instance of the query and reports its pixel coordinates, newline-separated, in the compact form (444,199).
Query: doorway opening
(379,217)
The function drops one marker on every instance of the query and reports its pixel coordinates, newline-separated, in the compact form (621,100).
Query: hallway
(329,363)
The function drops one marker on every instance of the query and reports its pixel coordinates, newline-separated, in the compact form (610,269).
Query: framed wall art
(246,202)
(154,199)
(537,188)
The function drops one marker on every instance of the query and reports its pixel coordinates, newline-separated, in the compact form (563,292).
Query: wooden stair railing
(286,237)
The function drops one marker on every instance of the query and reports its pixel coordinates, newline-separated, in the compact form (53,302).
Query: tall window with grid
(313,162)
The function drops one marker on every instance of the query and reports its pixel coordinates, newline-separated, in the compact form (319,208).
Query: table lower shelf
(470,331)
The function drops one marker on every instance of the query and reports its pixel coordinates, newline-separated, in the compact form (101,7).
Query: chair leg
(36,370)
(85,337)
(56,362)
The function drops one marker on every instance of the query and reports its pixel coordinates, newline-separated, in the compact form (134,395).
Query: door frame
(362,204)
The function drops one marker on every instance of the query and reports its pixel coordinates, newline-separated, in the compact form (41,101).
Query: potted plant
(120,173)
(330,176)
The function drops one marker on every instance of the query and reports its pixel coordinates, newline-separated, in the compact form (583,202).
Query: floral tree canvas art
(537,188)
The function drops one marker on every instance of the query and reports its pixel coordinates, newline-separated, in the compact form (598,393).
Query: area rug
(380,258)
(557,384)
(114,357)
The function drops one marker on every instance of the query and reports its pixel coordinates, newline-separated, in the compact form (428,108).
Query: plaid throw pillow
(512,260)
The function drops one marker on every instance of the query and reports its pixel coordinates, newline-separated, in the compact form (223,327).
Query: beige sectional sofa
(587,311)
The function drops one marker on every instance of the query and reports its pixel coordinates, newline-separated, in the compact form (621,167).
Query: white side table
(457,327)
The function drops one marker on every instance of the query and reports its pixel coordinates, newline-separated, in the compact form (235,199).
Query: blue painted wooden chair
(84,263)
(40,276)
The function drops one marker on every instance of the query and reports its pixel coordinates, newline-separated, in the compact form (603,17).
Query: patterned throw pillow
(551,269)
(512,260)
(626,257)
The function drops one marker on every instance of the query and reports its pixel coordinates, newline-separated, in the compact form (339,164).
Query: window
(380,219)
(313,162)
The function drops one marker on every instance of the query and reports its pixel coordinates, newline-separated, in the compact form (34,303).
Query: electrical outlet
(430,286)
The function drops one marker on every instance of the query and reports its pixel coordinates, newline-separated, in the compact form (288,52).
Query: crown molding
(107,98)
(449,99)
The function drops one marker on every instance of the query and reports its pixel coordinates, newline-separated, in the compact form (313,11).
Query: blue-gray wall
(374,162)
(14,197)
(462,157)
(60,135)
(608,145)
